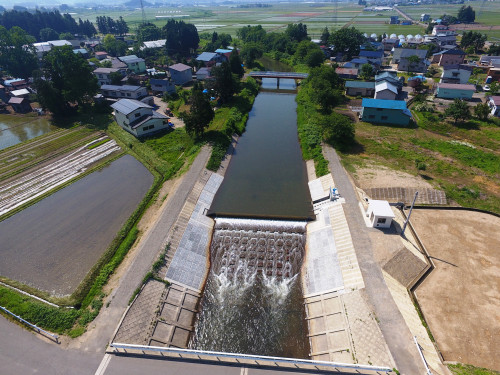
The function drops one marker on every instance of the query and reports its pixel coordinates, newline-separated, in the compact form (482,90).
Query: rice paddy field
(228,19)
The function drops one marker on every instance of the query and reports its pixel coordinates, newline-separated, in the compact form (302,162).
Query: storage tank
(393,36)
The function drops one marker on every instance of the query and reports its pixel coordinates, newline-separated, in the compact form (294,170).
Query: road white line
(104,364)
(244,371)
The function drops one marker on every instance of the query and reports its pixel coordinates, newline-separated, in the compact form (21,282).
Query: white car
(486,87)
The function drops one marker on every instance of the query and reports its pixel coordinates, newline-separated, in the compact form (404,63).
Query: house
(161,86)
(494,73)
(390,76)
(357,63)
(211,58)
(455,91)
(486,60)
(385,90)
(180,73)
(42,48)
(494,104)
(60,43)
(456,74)
(379,213)
(390,43)
(439,29)
(449,57)
(23,93)
(154,44)
(359,88)
(117,64)
(203,73)
(372,54)
(81,51)
(20,105)
(401,58)
(101,55)
(125,91)
(424,17)
(138,118)
(406,22)
(104,75)
(347,73)
(15,84)
(134,63)
(225,52)
(385,112)
(394,20)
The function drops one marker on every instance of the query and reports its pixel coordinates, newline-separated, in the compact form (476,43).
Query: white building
(385,90)
(379,213)
(494,103)
(455,74)
(103,75)
(125,92)
(138,118)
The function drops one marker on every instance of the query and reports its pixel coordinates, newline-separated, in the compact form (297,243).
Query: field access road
(396,333)
(22,352)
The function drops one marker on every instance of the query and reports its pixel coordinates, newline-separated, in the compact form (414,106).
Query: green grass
(460,369)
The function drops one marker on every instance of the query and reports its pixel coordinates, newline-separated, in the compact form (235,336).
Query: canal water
(16,129)
(54,243)
(252,301)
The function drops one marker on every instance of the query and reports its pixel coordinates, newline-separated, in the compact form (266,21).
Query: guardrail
(53,335)
(252,360)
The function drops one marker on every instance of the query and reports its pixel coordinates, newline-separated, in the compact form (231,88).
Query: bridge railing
(269,74)
(38,329)
(247,359)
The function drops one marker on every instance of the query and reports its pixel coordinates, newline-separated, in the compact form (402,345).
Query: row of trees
(34,23)
(107,25)
(460,111)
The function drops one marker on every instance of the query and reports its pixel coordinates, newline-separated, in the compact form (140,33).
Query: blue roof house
(382,111)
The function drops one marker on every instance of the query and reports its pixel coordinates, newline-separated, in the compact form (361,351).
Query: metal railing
(255,360)
(38,329)
(427,369)
(269,74)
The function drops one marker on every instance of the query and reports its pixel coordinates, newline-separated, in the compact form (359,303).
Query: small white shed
(380,214)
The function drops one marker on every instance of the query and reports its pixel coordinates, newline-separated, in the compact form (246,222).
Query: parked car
(486,87)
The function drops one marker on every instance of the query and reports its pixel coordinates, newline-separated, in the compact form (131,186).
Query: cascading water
(252,302)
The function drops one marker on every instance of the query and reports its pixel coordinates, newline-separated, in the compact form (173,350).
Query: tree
(494,87)
(251,52)
(482,111)
(347,42)
(225,84)
(466,14)
(236,64)
(121,26)
(494,50)
(17,54)
(367,71)
(447,19)
(322,82)
(181,37)
(339,130)
(325,36)
(200,113)
(66,36)
(114,46)
(148,31)
(115,78)
(458,110)
(296,32)
(254,34)
(314,58)
(473,39)
(66,79)
(48,34)
(413,61)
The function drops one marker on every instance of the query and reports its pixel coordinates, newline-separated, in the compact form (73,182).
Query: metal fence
(252,360)
(38,329)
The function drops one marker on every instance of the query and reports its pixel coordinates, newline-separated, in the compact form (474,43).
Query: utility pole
(143,13)
(409,214)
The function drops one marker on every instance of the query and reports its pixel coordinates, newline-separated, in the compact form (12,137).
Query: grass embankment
(460,369)
(462,160)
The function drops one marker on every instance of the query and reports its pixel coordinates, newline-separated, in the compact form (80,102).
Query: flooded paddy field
(53,244)
(17,129)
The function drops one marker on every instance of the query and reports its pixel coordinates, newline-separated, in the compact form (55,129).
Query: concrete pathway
(395,331)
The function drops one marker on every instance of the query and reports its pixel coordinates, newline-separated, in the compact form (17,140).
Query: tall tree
(466,14)
(296,32)
(66,79)
(473,39)
(225,84)
(413,62)
(48,34)
(250,52)
(325,36)
(236,64)
(347,42)
(113,46)
(323,83)
(147,32)
(17,54)
(182,38)
(482,111)
(367,71)
(200,113)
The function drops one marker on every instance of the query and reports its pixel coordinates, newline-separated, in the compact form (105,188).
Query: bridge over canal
(279,75)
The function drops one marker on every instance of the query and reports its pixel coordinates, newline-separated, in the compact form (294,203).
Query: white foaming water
(252,302)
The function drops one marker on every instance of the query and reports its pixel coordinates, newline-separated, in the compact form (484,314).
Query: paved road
(21,352)
(393,327)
